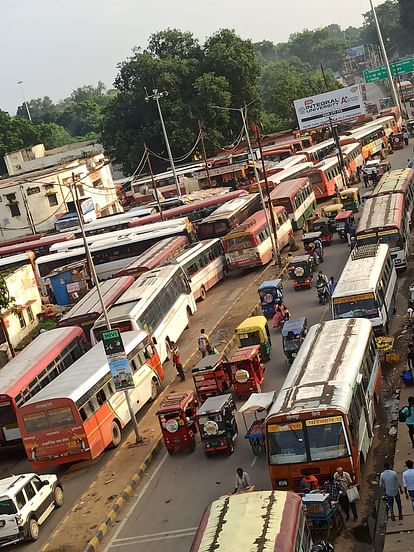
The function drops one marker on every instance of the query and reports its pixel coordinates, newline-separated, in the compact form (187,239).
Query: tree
(42,110)
(407,19)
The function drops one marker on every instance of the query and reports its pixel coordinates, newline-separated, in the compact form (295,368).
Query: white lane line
(253,462)
(160,534)
(138,540)
(136,502)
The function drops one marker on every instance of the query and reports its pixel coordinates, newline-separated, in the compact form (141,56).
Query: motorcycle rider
(322,284)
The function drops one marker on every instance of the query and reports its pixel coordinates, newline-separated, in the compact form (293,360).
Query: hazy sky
(55,46)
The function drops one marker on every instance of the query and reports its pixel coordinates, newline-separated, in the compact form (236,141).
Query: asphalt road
(169,506)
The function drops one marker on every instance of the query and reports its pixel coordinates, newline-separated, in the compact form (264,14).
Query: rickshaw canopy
(329,210)
(295,325)
(270,284)
(300,260)
(209,362)
(175,402)
(245,353)
(349,193)
(344,215)
(213,405)
(258,401)
(312,236)
(252,324)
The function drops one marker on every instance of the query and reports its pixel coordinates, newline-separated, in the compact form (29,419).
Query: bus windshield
(324,440)
(357,306)
(241,242)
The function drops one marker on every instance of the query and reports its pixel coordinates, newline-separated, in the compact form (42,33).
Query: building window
(14,209)
(49,186)
(11,197)
(22,321)
(97,183)
(52,200)
(34,190)
(30,314)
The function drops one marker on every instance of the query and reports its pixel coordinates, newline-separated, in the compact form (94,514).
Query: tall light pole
(156,97)
(385,58)
(243,112)
(20,83)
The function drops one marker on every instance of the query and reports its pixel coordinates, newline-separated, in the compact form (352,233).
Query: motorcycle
(322,292)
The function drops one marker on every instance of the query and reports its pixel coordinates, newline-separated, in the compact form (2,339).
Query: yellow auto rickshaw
(255,331)
(351,199)
(330,211)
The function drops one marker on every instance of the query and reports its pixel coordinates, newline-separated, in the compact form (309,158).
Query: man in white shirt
(408,481)
(242,481)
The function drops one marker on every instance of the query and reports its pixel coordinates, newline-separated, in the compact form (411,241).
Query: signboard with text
(338,105)
(119,365)
(398,68)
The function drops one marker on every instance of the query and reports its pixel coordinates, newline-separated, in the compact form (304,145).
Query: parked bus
(113,223)
(367,287)
(88,309)
(372,139)
(288,163)
(228,216)
(109,256)
(382,220)
(318,152)
(204,264)
(275,518)
(298,199)
(399,181)
(326,178)
(21,239)
(47,356)
(406,90)
(323,417)
(194,211)
(159,302)
(14,261)
(277,154)
(157,254)
(79,414)
(249,244)
(40,246)
(290,173)
(352,156)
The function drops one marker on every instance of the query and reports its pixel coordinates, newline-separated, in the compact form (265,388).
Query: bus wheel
(154,389)
(116,435)
(203,294)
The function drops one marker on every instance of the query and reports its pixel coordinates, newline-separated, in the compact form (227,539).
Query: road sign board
(112,342)
(398,68)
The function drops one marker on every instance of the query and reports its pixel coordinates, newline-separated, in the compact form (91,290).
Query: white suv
(25,502)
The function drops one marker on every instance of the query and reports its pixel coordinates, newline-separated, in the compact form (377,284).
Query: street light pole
(156,97)
(24,100)
(74,192)
(385,58)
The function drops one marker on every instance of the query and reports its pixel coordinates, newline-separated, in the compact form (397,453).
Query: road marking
(136,502)
(253,462)
(142,539)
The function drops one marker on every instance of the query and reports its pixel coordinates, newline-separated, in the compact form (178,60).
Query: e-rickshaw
(247,371)
(309,244)
(293,333)
(326,227)
(217,424)
(341,220)
(397,141)
(255,433)
(271,294)
(176,416)
(330,211)
(255,331)
(301,271)
(351,199)
(211,376)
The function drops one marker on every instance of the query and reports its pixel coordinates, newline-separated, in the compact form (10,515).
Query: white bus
(367,287)
(318,152)
(288,174)
(288,163)
(204,264)
(113,222)
(159,302)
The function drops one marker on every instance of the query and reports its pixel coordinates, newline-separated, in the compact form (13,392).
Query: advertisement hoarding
(338,105)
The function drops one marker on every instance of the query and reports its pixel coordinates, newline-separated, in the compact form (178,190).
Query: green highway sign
(380,73)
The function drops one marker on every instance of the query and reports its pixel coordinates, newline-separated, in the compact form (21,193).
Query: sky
(55,46)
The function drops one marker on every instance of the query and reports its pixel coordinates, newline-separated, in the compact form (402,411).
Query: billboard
(338,105)
(356,52)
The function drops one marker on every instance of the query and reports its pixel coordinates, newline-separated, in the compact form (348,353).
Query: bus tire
(203,293)
(116,435)
(154,389)
(32,530)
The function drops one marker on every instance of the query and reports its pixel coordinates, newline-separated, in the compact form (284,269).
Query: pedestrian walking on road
(331,285)
(408,481)
(203,343)
(177,360)
(392,489)
(408,412)
(345,482)
(332,488)
(365,178)
(242,481)
(405,136)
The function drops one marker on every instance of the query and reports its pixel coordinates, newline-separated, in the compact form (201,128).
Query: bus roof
(15,259)
(394,181)
(381,211)
(83,374)
(289,173)
(326,164)
(319,146)
(362,270)
(289,187)
(90,306)
(255,521)
(323,374)
(363,131)
(35,244)
(19,371)
(251,225)
(192,250)
(227,209)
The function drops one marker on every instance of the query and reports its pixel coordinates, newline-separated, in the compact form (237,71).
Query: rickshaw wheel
(231,449)
(256,446)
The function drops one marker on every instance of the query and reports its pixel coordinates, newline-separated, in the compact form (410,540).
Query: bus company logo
(349,99)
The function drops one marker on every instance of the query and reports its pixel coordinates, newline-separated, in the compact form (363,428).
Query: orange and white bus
(372,138)
(80,414)
(250,245)
(399,181)
(323,417)
(318,152)
(278,153)
(352,155)
(274,518)
(47,356)
(326,178)
(297,197)
(383,219)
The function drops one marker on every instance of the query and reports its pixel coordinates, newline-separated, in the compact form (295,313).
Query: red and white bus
(228,216)
(298,198)
(47,356)
(383,220)
(40,246)
(80,414)
(14,241)
(157,254)
(278,153)
(249,244)
(287,163)
(326,178)
(352,155)
(399,182)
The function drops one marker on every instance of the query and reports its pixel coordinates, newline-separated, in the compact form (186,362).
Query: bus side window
(354,414)
(85,412)
(100,397)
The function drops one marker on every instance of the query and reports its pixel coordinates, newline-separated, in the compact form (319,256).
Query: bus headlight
(282,483)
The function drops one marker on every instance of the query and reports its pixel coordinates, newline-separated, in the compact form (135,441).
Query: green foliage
(407,19)
(5,299)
